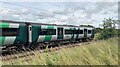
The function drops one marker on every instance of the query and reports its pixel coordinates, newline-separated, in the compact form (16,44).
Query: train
(16,34)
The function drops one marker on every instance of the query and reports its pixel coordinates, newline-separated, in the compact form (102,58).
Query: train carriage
(87,32)
(14,33)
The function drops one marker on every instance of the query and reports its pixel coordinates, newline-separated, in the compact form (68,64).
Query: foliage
(98,30)
(109,29)
(86,26)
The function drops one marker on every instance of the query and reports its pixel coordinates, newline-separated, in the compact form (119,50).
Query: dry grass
(104,52)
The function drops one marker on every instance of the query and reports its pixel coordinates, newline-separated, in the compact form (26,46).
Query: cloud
(76,13)
(61,0)
(94,8)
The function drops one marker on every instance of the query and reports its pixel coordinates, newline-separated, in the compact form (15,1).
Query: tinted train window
(89,31)
(9,31)
(69,31)
(60,31)
(81,31)
(47,32)
(77,31)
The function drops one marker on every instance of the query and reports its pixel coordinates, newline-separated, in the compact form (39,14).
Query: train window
(30,28)
(60,31)
(0,32)
(9,31)
(89,31)
(77,31)
(47,32)
(81,31)
(69,31)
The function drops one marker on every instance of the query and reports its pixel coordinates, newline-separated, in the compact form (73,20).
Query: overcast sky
(60,12)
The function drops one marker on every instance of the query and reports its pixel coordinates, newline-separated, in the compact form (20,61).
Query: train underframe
(40,45)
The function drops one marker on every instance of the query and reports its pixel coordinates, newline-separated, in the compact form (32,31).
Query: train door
(93,31)
(77,33)
(59,33)
(85,32)
(73,33)
(29,32)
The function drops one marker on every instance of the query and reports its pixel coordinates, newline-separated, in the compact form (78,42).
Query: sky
(61,12)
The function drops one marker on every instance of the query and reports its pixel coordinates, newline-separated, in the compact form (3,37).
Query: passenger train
(15,34)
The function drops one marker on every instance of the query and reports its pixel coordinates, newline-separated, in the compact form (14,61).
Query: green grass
(104,52)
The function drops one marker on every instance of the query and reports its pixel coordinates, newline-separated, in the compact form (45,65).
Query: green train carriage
(50,33)
(12,33)
(26,34)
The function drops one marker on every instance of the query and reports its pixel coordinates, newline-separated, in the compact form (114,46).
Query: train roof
(29,23)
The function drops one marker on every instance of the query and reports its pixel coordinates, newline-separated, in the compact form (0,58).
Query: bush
(109,29)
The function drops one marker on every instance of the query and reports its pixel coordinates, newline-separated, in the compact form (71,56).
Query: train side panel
(81,33)
(35,33)
(22,37)
(76,32)
(12,33)
(89,32)
(47,33)
(5,38)
(68,33)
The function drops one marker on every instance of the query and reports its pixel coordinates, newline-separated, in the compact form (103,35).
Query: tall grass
(103,52)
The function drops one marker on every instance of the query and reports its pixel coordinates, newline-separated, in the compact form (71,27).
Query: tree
(108,29)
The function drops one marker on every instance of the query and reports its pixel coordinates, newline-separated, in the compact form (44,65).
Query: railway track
(31,53)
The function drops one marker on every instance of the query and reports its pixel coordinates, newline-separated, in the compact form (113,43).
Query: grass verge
(103,52)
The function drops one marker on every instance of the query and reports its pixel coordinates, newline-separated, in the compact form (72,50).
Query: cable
(32,8)
(28,7)
(19,12)
(22,6)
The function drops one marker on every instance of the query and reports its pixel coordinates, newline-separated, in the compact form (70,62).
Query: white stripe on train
(11,39)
